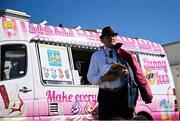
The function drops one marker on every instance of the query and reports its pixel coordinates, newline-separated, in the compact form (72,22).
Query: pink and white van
(43,73)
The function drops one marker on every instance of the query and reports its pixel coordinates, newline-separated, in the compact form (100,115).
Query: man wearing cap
(119,77)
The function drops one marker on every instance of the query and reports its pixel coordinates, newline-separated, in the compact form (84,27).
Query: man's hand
(117,70)
(108,77)
(120,69)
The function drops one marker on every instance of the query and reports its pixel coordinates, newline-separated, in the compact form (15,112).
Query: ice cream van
(43,72)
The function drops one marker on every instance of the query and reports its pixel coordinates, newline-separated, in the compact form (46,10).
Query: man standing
(119,76)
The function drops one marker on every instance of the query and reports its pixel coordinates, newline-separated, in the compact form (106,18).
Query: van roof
(22,30)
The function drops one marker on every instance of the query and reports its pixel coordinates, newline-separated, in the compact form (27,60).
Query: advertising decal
(55,63)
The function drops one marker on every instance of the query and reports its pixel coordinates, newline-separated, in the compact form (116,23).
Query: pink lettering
(62,32)
(156,48)
(146,63)
(53,97)
(85,98)
(155,65)
(39,29)
(144,45)
(162,78)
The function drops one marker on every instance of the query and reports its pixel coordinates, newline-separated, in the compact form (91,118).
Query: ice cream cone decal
(4,95)
(14,108)
(11,107)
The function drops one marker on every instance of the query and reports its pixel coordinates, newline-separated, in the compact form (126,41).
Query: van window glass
(13,61)
(81,59)
(55,65)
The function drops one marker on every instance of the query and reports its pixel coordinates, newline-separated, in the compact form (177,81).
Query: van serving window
(13,61)
(81,59)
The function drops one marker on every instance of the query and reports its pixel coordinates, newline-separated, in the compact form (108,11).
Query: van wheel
(143,116)
(140,117)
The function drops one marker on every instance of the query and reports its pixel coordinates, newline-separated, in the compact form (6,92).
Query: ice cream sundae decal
(46,72)
(90,110)
(67,73)
(60,73)
(76,108)
(166,109)
(53,73)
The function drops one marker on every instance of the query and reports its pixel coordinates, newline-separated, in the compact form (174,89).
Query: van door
(16,82)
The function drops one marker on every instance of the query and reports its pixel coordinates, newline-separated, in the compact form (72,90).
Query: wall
(176,75)
(173,54)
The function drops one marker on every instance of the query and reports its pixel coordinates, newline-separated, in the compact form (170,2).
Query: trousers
(114,105)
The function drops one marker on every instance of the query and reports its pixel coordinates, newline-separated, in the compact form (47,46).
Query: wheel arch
(144,111)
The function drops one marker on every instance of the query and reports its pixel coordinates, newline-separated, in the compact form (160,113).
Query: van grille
(53,108)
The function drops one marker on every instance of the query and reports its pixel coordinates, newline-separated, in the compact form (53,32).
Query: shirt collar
(107,49)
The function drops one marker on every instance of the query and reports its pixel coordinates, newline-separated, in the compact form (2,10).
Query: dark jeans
(114,105)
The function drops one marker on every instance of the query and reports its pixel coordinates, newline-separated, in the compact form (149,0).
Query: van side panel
(176,76)
(157,70)
(61,101)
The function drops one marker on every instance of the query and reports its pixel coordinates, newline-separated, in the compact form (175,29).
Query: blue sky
(155,20)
